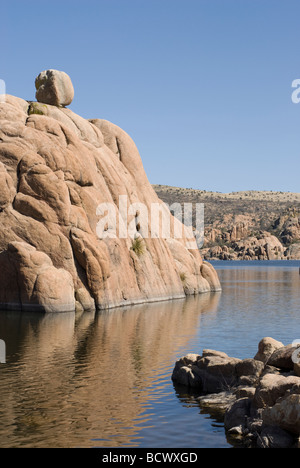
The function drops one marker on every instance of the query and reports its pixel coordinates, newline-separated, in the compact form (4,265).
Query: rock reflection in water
(89,380)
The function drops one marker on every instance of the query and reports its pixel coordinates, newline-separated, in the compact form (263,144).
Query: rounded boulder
(54,87)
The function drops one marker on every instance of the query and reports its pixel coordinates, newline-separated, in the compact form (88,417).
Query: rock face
(56,170)
(260,397)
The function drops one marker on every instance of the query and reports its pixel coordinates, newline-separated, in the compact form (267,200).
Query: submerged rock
(217,401)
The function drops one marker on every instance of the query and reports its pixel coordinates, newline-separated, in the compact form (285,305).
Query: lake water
(104,380)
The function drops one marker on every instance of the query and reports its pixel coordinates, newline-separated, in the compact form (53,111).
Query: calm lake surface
(104,380)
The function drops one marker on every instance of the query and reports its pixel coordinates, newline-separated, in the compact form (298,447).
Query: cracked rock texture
(56,168)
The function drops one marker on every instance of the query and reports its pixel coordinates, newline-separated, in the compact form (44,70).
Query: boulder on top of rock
(54,87)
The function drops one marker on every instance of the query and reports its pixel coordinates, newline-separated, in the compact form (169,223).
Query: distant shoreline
(247,194)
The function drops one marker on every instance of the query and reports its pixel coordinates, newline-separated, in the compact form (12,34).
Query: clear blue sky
(202,86)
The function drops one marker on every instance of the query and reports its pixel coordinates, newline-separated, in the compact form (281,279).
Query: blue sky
(202,86)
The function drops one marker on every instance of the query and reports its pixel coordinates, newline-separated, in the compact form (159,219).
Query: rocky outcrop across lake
(244,225)
(259,397)
(56,170)
(262,246)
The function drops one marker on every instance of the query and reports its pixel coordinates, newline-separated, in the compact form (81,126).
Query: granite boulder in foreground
(260,396)
(56,169)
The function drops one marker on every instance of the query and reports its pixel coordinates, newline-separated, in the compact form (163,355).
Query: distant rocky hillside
(250,225)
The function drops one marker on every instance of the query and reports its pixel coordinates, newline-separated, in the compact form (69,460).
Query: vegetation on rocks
(138,246)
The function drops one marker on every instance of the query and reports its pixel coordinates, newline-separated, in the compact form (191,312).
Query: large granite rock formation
(56,168)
